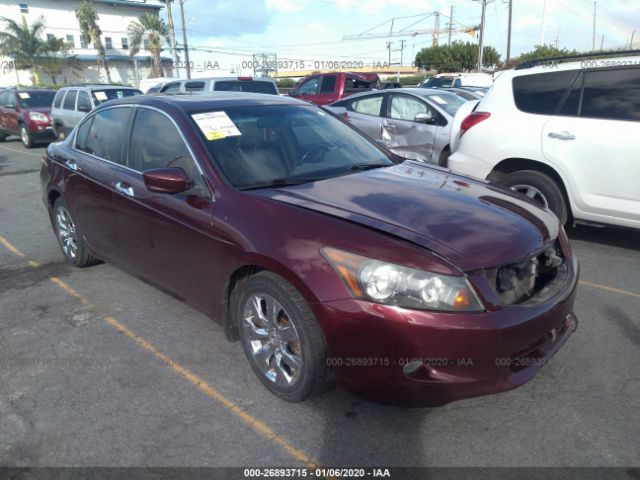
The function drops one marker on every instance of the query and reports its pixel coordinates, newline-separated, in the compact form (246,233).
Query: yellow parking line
(202,385)
(21,152)
(610,289)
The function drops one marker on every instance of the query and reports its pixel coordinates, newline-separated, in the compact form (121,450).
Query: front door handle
(561,135)
(125,188)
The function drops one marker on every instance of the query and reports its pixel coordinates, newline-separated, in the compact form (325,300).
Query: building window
(146,44)
(24,8)
(50,36)
(71,41)
(84,42)
(125,43)
(108,43)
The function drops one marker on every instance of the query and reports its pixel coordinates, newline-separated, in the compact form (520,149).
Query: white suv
(567,135)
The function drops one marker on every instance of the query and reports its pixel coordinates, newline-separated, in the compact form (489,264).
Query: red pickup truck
(325,88)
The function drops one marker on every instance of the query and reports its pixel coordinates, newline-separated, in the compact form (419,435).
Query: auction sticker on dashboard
(102,96)
(216,125)
(24,95)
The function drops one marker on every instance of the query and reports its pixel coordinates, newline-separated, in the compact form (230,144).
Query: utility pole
(593,35)
(389,48)
(184,40)
(602,43)
(631,41)
(436,29)
(544,11)
(509,31)
(450,24)
(402,42)
(481,40)
(557,42)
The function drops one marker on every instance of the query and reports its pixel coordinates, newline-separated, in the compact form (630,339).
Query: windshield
(101,96)
(279,144)
(449,102)
(36,99)
(438,82)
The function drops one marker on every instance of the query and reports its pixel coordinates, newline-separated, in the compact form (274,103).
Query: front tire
(26,137)
(540,188)
(73,247)
(60,132)
(281,337)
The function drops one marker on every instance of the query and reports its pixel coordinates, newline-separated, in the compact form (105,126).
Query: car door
(309,89)
(402,133)
(365,113)
(165,237)
(594,139)
(11,107)
(327,91)
(68,111)
(4,98)
(89,177)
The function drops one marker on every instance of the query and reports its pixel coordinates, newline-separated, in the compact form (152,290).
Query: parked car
(26,113)
(326,88)
(468,93)
(567,136)
(442,80)
(72,104)
(412,122)
(314,248)
(222,84)
(147,84)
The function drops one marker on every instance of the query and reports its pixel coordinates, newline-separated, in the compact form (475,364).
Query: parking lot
(99,369)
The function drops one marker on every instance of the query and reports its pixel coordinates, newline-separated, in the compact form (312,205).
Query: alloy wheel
(533,193)
(24,136)
(66,233)
(272,339)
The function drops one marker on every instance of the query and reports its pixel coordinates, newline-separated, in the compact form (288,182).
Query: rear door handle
(125,188)
(561,135)
(72,165)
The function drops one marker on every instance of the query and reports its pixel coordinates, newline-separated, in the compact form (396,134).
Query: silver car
(412,122)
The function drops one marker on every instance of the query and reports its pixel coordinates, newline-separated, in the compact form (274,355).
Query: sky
(226,33)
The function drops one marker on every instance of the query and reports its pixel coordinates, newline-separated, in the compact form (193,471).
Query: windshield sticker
(216,125)
(438,99)
(24,95)
(102,96)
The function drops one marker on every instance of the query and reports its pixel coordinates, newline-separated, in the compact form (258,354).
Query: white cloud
(285,5)
(315,26)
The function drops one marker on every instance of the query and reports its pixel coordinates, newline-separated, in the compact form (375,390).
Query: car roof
(208,101)
(224,79)
(98,86)
(587,63)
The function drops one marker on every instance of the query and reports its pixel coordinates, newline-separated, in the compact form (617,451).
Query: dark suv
(26,113)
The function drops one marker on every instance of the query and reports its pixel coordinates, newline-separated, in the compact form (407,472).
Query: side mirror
(8,105)
(167,180)
(84,108)
(424,118)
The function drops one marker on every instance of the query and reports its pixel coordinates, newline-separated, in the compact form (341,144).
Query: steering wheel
(315,151)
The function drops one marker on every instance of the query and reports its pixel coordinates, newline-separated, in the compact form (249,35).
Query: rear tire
(73,247)
(541,188)
(443,161)
(281,337)
(60,132)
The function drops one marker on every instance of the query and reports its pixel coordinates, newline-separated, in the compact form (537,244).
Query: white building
(114,17)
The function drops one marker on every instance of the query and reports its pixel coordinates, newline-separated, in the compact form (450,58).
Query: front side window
(406,108)
(84,103)
(70,100)
(156,143)
(368,105)
(310,87)
(286,143)
(541,93)
(612,94)
(108,129)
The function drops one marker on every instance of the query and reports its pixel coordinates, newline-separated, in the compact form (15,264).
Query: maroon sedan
(323,255)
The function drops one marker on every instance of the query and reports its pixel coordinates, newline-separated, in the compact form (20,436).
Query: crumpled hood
(468,222)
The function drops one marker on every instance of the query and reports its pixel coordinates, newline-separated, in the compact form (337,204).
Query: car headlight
(391,284)
(38,117)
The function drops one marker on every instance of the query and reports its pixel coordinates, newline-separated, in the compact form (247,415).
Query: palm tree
(172,33)
(154,28)
(87,16)
(23,43)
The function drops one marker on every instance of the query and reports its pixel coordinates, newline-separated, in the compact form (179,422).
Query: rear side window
(84,103)
(541,93)
(57,101)
(70,100)
(107,130)
(171,88)
(194,86)
(265,87)
(612,94)
(328,84)
(367,106)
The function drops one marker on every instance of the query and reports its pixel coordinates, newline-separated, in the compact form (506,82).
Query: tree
(23,43)
(87,16)
(458,56)
(154,28)
(172,33)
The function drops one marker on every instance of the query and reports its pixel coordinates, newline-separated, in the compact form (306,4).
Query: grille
(520,282)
